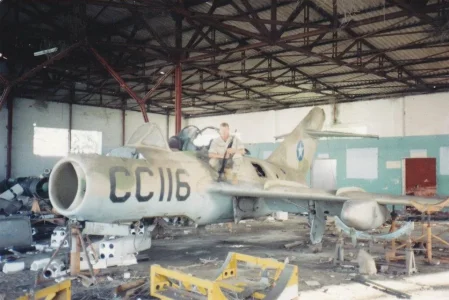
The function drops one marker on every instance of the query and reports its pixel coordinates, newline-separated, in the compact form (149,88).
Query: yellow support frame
(60,291)
(160,282)
(284,282)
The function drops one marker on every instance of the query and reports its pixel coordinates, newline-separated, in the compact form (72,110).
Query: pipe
(4,96)
(123,126)
(3,80)
(178,100)
(121,82)
(9,138)
(70,129)
(158,83)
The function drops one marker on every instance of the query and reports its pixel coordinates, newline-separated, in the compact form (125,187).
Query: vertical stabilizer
(297,151)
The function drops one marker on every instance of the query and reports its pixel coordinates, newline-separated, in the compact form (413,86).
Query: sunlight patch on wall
(53,142)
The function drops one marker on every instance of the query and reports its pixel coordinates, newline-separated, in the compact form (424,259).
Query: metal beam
(178,100)
(121,82)
(158,83)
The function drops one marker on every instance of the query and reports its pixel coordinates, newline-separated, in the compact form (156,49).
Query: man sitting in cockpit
(219,150)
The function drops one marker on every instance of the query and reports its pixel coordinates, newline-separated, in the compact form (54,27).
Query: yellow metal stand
(60,291)
(274,280)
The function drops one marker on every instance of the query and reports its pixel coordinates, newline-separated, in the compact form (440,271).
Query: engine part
(15,232)
(12,193)
(39,264)
(34,186)
(56,238)
(8,207)
(55,269)
(95,228)
(123,246)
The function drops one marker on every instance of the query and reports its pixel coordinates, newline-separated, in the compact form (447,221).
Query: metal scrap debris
(380,287)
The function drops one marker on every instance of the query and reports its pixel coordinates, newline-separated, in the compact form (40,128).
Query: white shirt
(220,146)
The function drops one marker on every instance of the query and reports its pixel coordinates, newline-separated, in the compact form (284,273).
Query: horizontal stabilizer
(320,134)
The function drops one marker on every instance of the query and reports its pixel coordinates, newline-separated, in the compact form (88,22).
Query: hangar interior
(83,76)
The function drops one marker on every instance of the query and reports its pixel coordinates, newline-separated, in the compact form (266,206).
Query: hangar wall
(29,114)
(404,125)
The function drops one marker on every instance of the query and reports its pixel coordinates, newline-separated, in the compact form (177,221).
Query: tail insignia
(300,150)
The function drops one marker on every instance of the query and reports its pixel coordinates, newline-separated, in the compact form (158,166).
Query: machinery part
(55,269)
(60,291)
(377,286)
(276,281)
(355,234)
(9,207)
(34,187)
(46,172)
(317,221)
(12,192)
(95,228)
(122,247)
(15,232)
(137,228)
(58,235)
(350,214)
(39,264)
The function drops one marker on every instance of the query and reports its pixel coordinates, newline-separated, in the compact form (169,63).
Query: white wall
(416,115)
(253,127)
(427,114)
(134,119)
(405,116)
(26,115)
(29,114)
(106,120)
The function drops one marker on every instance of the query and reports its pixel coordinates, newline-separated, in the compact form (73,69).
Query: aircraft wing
(289,191)
(336,134)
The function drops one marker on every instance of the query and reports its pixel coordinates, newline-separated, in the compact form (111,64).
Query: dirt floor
(186,252)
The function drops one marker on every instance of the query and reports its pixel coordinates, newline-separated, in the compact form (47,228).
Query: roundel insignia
(300,150)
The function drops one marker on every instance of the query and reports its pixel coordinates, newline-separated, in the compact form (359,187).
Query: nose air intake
(67,186)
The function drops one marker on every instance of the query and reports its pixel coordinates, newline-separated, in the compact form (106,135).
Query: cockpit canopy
(148,135)
(191,138)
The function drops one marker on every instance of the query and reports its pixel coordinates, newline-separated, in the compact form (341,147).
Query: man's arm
(213,153)
(240,149)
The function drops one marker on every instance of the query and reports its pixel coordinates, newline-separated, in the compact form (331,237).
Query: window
(50,141)
(86,141)
(54,141)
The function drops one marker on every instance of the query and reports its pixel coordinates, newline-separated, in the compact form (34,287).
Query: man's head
(224,130)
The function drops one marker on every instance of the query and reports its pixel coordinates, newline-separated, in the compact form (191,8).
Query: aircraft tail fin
(298,149)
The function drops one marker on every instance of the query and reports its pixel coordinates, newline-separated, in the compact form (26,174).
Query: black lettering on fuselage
(139,171)
(170,184)
(161,174)
(180,184)
(139,183)
(113,179)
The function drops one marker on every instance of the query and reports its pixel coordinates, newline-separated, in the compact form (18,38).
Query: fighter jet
(148,179)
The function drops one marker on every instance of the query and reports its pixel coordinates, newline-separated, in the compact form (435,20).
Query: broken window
(86,141)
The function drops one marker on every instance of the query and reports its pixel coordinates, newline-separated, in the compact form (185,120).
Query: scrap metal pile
(27,219)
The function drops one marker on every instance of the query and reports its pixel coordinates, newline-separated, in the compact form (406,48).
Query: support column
(70,129)
(9,139)
(72,100)
(178,100)
(123,125)
(168,124)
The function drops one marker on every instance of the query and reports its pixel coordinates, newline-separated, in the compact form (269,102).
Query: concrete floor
(264,239)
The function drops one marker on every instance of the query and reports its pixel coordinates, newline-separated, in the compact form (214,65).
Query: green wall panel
(389,149)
